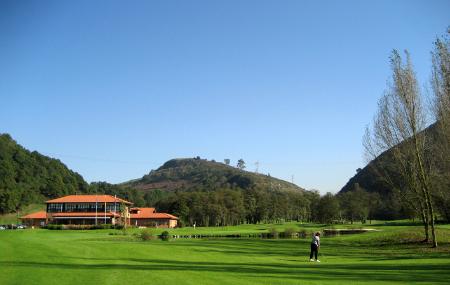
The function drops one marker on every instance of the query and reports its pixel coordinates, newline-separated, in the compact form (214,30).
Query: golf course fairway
(391,255)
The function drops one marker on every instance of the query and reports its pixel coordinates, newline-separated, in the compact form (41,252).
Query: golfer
(315,245)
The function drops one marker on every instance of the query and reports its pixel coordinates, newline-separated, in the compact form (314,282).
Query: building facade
(38,219)
(88,210)
(148,217)
(97,209)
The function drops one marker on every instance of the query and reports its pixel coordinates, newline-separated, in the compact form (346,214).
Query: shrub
(119,227)
(289,232)
(124,231)
(82,227)
(54,227)
(273,233)
(96,227)
(146,235)
(303,233)
(165,235)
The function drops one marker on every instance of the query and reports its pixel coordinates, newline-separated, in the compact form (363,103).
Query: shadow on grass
(431,273)
(331,248)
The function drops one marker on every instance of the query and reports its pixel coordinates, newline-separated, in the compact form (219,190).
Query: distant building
(97,209)
(147,217)
(38,219)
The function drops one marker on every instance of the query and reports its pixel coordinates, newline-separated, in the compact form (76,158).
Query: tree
(327,209)
(440,82)
(374,202)
(355,204)
(241,164)
(398,126)
(124,215)
(226,161)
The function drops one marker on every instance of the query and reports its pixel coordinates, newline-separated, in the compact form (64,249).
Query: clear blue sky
(115,88)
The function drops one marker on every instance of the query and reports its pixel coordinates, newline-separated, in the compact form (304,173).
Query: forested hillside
(382,176)
(29,177)
(209,193)
(198,191)
(196,174)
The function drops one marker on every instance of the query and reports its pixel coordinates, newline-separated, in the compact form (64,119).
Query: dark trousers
(314,250)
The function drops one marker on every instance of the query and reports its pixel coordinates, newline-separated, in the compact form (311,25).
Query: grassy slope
(12,218)
(94,257)
(186,173)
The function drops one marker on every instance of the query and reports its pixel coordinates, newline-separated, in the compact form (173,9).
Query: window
(55,208)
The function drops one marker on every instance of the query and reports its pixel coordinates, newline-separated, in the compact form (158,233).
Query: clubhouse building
(97,209)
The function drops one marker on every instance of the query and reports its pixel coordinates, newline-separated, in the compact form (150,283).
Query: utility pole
(257,166)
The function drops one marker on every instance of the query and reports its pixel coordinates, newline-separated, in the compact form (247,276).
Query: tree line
(236,206)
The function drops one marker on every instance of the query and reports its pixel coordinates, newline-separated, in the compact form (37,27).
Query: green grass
(390,256)
(13,217)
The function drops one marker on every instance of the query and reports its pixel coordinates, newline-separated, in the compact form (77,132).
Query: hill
(195,174)
(30,177)
(196,190)
(208,193)
(372,179)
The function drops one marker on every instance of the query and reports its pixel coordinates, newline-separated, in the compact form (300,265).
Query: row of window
(83,207)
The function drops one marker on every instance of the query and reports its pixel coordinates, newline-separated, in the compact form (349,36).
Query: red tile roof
(163,216)
(149,213)
(142,213)
(37,215)
(84,214)
(88,199)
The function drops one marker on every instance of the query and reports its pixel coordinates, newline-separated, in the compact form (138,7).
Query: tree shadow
(431,273)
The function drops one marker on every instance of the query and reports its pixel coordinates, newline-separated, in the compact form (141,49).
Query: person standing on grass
(315,245)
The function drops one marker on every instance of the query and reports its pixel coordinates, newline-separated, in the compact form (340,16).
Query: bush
(289,233)
(54,227)
(119,227)
(165,235)
(273,233)
(146,235)
(303,233)
(83,227)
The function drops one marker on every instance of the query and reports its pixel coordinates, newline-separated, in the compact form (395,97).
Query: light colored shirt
(316,240)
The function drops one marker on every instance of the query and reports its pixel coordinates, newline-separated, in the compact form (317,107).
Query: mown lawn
(390,256)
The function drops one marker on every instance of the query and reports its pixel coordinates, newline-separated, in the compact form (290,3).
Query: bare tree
(398,127)
(440,82)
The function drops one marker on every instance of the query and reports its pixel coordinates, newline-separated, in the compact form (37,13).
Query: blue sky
(115,88)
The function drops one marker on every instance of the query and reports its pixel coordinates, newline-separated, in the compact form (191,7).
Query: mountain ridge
(187,173)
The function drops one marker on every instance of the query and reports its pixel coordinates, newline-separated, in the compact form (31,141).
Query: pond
(336,232)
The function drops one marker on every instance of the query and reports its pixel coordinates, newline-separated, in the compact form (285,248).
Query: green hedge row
(83,227)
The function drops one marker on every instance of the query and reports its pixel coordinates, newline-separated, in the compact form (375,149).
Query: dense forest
(29,177)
